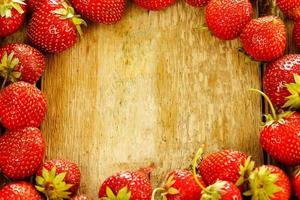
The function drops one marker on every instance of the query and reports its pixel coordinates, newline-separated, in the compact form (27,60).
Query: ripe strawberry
(80,197)
(21,152)
(270,183)
(296,33)
(290,8)
(264,39)
(296,181)
(222,190)
(54,27)
(226,165)
(21,62)
(34,5)
(224,21)
(282,81)
(180,184)
(65,171)
(12,16)
(100,11)
(154,4)
(197,3)
(19,191)
(22,105)
(126,185)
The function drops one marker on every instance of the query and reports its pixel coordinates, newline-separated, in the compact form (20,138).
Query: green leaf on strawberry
(8,5)
(123,194)
(293,101)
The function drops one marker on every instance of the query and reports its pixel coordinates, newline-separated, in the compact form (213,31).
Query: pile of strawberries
(55,26)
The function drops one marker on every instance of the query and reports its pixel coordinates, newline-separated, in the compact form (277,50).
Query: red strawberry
(100,11)
(65,171)
(282,81)
(269,183)
(80,197)
(296,33)
(222,190)
(34,5)
(290,8)
(126,185)
(12,16)
(181,185)
(19,191)
(21,62)
(224,21)
(154,4)
(296,181)
(264,39)
(21,152)
(22,105)
(54,27)
(226,165)
(197,3)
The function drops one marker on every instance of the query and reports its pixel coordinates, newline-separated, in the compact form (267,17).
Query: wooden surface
(149,89)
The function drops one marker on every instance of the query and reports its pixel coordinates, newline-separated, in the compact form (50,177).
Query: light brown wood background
(150,89)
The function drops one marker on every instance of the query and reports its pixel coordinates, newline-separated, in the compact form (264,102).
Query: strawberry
(197,3)
(133,185)
(280,135)
(12,16)
(154,4)
(100,11)
(224,21)
(58,179)
(35,5)
(296,33)
(22,105)
(80,197)
(19,191)
(226,165)
(54,27)
(296,181)
(290,8)
(264,39)
(221,190)
(282,81)
(270,183)
(21,62)
(21,152)
(180,184)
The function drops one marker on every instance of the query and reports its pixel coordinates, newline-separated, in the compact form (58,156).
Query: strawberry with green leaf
(269,183)
(58,179)
(12,16)
(19,191)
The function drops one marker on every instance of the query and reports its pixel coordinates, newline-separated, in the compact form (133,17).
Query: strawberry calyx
(293,101)
(245,171)
(297,171)
(68,12)
(8,64)
(262,184)
(53,185)
(123,194)
(214,191)
(7,5)
(167,190)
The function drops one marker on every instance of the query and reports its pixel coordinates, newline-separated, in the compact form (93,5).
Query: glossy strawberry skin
(32,63)
(19,191)
(186,185)
(154,5)
(296,33)
(290,8)
(264,39)
(277,75)
(21,152)
(231,192)
(223,20)
(281,140)
(296,183)
(100,11)
(35,5)
(22,105)
(73,175)
(48,32)
(197,3)
(223,165)
(12,24)
(136,182)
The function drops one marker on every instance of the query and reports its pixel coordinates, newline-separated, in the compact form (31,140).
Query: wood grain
(150,89)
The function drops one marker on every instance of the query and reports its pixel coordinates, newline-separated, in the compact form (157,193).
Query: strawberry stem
(4,83)
(268,100)
(155,191)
